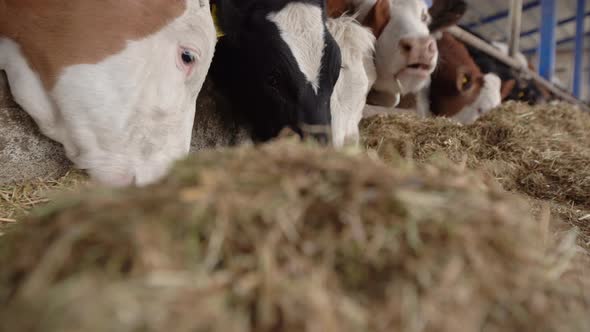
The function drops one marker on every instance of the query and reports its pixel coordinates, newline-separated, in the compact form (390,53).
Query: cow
(459,90)
(115,81)
(465,101)
(357,75)
(516,86)
(276,66)
(405,50)
(402,23)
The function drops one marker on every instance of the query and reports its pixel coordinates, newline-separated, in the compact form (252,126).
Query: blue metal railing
(547,44)
(500,15)
(579,49)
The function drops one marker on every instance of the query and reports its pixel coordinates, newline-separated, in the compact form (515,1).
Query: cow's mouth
(420,70)
(419,66)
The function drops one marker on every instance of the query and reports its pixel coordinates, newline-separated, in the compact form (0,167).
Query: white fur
(357,75)
(302,28)
(129,117)
(488,99)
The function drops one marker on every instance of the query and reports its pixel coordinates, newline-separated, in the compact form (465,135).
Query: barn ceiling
(489,18)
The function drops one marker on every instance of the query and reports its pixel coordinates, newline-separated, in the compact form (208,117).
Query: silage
(542,151)
(288,237)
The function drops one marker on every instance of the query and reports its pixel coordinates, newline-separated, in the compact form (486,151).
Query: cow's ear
(446,13)
(378,17)
(507,87)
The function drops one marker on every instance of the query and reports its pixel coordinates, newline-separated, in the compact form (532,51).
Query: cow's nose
(418,49)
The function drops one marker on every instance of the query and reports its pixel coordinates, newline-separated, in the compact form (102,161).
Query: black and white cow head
(277,65)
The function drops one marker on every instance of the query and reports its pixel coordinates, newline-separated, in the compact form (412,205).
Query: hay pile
(543,151)
(17,200)
(289,237)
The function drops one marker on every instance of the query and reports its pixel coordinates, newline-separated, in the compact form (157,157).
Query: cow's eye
(465,82)
(187,57)
(424,17)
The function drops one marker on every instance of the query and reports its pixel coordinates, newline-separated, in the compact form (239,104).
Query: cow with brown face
(114,81)
(459,89)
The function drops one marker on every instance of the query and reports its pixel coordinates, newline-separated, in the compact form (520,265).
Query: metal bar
(563,70)
(547,45)
(559,23)
(483,46)
(579,49)
(515,24)
(500,15)
(566,40)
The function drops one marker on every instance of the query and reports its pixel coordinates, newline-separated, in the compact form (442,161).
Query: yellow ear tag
(216,21)
(465,80)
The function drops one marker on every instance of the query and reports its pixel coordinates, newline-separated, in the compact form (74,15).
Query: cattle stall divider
(483,46)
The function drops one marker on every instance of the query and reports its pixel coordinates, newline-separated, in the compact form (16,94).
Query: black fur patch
(254,69)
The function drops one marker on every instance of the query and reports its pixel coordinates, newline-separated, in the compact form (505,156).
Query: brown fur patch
(55,34)
(378,17)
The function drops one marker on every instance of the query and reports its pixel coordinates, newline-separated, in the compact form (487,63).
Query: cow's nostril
(405,45)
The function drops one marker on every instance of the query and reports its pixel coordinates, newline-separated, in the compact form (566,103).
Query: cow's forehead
(55,34)
(407,17)
(301,26)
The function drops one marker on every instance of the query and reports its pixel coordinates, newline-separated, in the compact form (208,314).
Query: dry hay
(543,151)
(289,237)
(17,199)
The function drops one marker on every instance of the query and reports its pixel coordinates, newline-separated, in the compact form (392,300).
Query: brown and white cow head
(114,81)
(459,90)
(406,51)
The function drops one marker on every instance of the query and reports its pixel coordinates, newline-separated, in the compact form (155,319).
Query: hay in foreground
(542,151)
(288,237)
(17,199)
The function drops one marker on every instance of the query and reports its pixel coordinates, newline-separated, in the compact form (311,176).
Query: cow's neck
(417,102)
(408,101)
